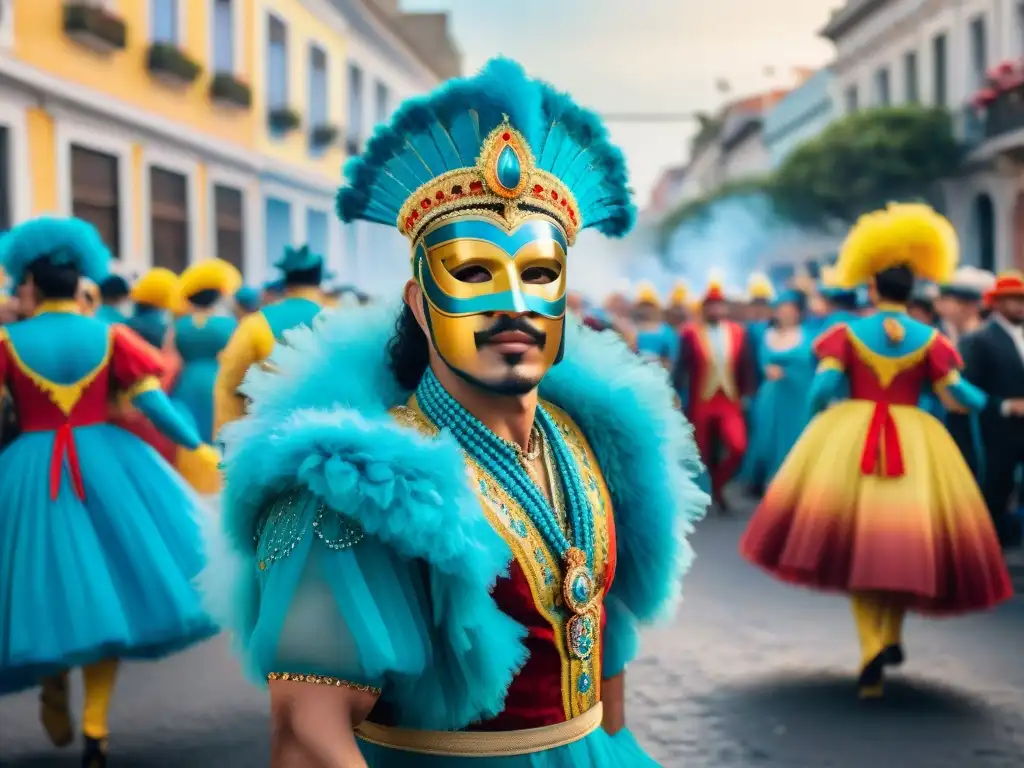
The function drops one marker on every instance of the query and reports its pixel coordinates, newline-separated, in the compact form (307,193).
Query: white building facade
(938,52)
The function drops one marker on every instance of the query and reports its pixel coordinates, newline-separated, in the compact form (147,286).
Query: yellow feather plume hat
(759,287)
(646,294)
(157,288)
(210,275)
(908,234)
(680,292)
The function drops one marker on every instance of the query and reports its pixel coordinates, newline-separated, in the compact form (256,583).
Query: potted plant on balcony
(95,27)
(227,89)
(323,136)
(284,119)
(166,62)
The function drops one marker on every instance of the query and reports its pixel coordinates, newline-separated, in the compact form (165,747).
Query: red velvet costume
(715,392)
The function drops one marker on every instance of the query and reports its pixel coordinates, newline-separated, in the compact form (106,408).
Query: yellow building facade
(137,115)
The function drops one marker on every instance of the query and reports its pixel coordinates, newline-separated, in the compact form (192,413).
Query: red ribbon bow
(64,444)
(882,445)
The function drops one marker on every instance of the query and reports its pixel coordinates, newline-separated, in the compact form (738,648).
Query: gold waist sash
(483,743)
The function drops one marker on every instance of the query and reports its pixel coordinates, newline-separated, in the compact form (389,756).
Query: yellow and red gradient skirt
(877,497)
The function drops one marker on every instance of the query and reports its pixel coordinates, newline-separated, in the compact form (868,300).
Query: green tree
(857,164)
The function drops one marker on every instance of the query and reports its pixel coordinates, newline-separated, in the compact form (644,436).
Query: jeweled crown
(505,183)
(498,144)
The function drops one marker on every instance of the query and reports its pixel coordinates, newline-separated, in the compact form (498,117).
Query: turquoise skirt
(104,576)
(598,750)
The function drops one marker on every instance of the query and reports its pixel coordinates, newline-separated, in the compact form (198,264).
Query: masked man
(715,366)
(446,531)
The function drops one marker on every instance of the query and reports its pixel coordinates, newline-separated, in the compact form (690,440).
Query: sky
(631,56)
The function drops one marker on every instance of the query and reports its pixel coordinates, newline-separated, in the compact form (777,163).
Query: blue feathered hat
(498,144)
(64,240)
(789,296)
(299,260)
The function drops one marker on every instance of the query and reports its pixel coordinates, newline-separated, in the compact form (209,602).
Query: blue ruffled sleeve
(621,639)
(333,601)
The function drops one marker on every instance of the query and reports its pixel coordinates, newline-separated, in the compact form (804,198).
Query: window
(852,102)
(5,179)
(355,109)
(882,91)
(230,224)
(318,93)
(911,86)
(316,232)
(223,36)
(277,63)
(278,223)
(168,216)
(940,67)
(382,102)
(95,193)
(979,53)
(163,21)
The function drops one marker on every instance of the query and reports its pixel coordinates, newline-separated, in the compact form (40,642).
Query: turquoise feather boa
(322,422)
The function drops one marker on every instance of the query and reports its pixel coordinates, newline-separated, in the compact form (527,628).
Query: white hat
(969,282)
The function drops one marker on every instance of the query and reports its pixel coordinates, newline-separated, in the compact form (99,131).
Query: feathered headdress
(715,290)
(909,234)
(499,145)
(759,287)
(299,260)
(63,240)
(210,275)
(680,292)
(646,294)
(157,288)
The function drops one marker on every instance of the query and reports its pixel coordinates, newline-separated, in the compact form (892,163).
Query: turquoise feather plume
(64,240)
(445,131)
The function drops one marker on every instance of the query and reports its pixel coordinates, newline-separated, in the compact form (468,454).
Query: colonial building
(942,52)
(135,115)
(799,116)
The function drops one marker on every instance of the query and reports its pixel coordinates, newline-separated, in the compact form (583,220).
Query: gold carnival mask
(492,263)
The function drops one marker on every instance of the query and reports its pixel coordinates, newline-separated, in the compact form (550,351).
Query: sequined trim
(285,525)
(334,682)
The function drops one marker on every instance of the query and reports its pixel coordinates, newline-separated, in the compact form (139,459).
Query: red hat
(1009,283)
(714,293)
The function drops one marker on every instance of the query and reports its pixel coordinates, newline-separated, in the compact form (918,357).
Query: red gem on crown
(506,136)
(409,221)
(415,215)
(457,189)
(537,189)
(425,203)
(439,195)
(476,186)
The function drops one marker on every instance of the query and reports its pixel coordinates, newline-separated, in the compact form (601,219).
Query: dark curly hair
(52,279)
(408,350)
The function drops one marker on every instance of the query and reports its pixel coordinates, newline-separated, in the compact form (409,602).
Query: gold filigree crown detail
(504,184)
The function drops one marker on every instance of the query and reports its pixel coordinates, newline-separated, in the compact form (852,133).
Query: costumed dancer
(246,301)
(875,499)
(779,412)
(994,357)
(655,339)
(677,313)
(114,297)
(199,337)
(715,366)
(445,564)
(98,535)
(759,310)
(255,337)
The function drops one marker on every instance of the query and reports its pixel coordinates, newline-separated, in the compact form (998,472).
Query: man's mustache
(509,324)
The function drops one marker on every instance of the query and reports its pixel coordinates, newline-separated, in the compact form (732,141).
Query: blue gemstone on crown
(581,589)
(509,169)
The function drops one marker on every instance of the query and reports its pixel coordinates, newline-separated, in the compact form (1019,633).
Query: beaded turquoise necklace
(504,462)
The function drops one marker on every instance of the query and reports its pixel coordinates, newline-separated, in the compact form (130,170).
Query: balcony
(322,136)
(1005,113)
(283,120)
(228,90)
(95,27)
(171,65)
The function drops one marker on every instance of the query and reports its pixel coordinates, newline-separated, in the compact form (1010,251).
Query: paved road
(751,674)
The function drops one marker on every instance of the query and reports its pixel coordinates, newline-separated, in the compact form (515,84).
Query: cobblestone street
(751,673)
